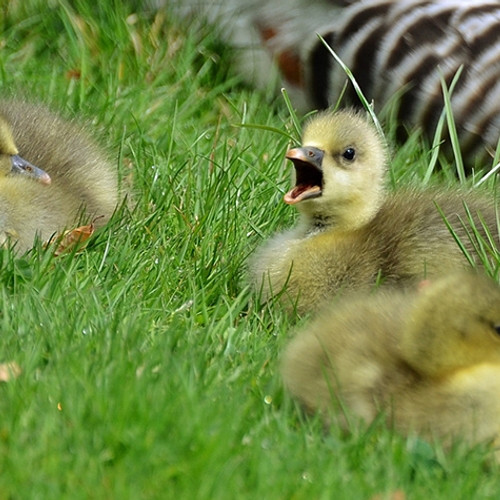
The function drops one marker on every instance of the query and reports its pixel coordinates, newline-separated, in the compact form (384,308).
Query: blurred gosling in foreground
(352,232)
(430,360)
(65,175)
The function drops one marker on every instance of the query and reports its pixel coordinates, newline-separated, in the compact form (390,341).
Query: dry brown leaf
(9,371)
(74,238)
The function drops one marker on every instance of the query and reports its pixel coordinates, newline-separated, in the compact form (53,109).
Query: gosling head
(11,162)
(339,170)
(455,324)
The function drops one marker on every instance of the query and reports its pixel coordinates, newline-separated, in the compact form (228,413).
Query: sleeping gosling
(82,182)
(429,360)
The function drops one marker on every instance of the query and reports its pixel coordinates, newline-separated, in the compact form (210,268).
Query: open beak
(22,167)
(308,174)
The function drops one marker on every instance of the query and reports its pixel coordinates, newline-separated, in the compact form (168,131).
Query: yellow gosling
(352,233)
(51,175)
(429,360)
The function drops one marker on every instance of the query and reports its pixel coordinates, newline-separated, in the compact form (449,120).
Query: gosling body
(352,234)
(83,182)
(429,361)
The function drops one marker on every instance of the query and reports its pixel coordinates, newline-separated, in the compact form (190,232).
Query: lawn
(149,370)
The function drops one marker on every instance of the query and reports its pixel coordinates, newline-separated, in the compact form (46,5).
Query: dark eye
(349,154)
(497,329)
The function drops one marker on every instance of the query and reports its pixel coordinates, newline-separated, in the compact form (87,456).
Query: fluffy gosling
(430,360)
(352,233)
(73,177)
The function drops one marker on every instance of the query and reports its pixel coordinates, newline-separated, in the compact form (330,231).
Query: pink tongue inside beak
(308,173)
(300,193)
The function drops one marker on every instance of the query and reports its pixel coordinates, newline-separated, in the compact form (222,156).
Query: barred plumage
(393,47)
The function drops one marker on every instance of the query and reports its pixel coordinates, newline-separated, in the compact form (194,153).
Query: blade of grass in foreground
(296,134)
(357,88)
(452,129)
(455,236)
(275,130)
(295,120)
(446,114)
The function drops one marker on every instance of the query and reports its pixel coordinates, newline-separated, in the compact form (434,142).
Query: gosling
(73,179)
(352,233)
(429,361)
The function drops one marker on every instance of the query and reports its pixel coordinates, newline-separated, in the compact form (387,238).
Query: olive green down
(428,360)
(83,187)
(352,232)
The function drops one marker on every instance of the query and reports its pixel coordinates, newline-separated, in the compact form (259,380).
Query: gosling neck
(350,215)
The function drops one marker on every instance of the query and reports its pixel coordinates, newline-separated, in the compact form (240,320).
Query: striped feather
(393,47)
(402,47)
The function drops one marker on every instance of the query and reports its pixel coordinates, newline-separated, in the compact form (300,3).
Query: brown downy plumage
(73,177)
(430,360)
(352,233)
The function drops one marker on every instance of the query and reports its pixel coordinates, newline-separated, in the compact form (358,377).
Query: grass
(149,371)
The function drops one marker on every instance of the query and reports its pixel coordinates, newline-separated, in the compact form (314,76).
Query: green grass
(149,370)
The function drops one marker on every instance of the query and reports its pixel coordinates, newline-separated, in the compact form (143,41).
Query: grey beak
(311,155)
(22,167)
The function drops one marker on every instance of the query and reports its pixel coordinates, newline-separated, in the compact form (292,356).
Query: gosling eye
(497,329)
(349,154)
